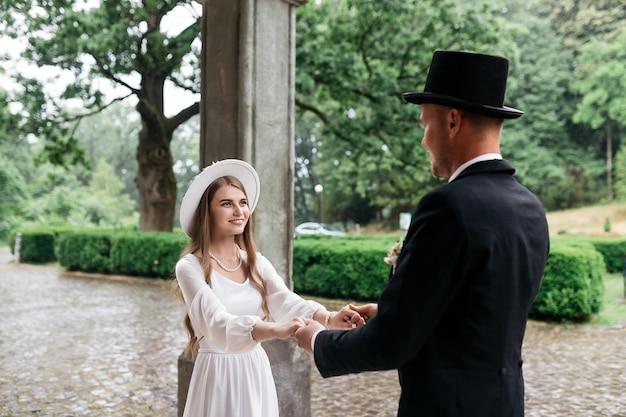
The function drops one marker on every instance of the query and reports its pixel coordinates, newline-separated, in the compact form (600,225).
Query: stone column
(247,112)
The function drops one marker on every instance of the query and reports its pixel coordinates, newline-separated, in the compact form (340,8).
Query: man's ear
(454,119)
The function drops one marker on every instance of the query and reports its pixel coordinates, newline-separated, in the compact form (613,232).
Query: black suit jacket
(452,318)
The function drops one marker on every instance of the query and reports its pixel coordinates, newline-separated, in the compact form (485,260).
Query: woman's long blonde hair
(200,241)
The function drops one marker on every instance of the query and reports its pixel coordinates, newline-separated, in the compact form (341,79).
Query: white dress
(232,375)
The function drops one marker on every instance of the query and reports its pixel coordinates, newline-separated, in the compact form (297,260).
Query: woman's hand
(288,329)
(264,330)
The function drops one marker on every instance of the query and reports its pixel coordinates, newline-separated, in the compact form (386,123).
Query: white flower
(392,256)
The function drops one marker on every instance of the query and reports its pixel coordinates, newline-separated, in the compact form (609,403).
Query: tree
(104,202)
(111,135)
(602,83)
(305,180)
(56,198)
(580,21)
(102,49)
(354,59)
(13,151)
(186,152)
(620,175)
(560,171)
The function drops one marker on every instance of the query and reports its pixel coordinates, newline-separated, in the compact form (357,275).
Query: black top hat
(468,81)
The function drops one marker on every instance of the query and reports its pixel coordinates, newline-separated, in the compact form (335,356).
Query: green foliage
(12,196)
(105,195)
(613,251)
(93,55)
(102,250)
(580,21)
(539,83)
(111,135)
(619,185)
(146,254)
(335,267)
(603,87)
(58,199)
(87,250)
(36,244)
(572,287)
(354,59)
(356,137)
(603,91)
(614,308)
(13,183)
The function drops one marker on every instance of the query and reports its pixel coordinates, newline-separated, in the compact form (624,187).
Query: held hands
(305,334)
(346,318)
(349,317)
(288,329)
(366,311)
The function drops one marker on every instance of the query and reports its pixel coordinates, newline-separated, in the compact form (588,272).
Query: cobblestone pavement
(73,346)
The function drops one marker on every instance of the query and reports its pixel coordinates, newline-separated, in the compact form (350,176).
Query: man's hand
(367,311)
(346,318)
(305,333)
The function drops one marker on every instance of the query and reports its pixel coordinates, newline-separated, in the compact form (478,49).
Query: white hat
(231,167)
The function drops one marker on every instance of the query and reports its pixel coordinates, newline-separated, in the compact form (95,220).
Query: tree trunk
(157,186)
(609,159)
(155,177)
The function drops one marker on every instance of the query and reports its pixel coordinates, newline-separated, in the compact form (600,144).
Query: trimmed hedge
(334,267)
(88,251)
(37,244)
(613,251)
(572,288)
(105,251)
(150,254)
(338,267)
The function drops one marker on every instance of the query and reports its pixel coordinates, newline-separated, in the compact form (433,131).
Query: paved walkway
(74,347)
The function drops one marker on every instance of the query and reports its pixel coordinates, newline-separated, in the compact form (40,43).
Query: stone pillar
(247,112)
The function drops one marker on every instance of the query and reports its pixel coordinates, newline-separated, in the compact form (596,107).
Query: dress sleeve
(208,315)
(283,303)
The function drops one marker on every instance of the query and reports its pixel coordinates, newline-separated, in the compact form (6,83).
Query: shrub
(85,250)
(36,244)
(336,267)
(572,287)
(148,254)
(613,251)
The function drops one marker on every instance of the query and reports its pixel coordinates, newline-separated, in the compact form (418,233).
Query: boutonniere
(392,256)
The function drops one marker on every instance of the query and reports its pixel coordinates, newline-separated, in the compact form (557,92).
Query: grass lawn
(614,307)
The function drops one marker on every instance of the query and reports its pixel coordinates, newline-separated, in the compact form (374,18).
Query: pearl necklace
(224,266)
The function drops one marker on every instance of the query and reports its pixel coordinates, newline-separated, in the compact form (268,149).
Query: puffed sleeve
(283,303)
(228,332)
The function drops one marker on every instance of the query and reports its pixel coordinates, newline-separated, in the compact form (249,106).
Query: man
(453,315)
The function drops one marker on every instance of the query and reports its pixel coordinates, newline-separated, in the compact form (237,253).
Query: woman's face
(229,211)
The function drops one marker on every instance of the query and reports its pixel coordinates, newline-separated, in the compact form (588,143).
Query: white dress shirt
(480,158)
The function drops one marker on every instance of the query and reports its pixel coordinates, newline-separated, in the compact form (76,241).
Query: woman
(231,292)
